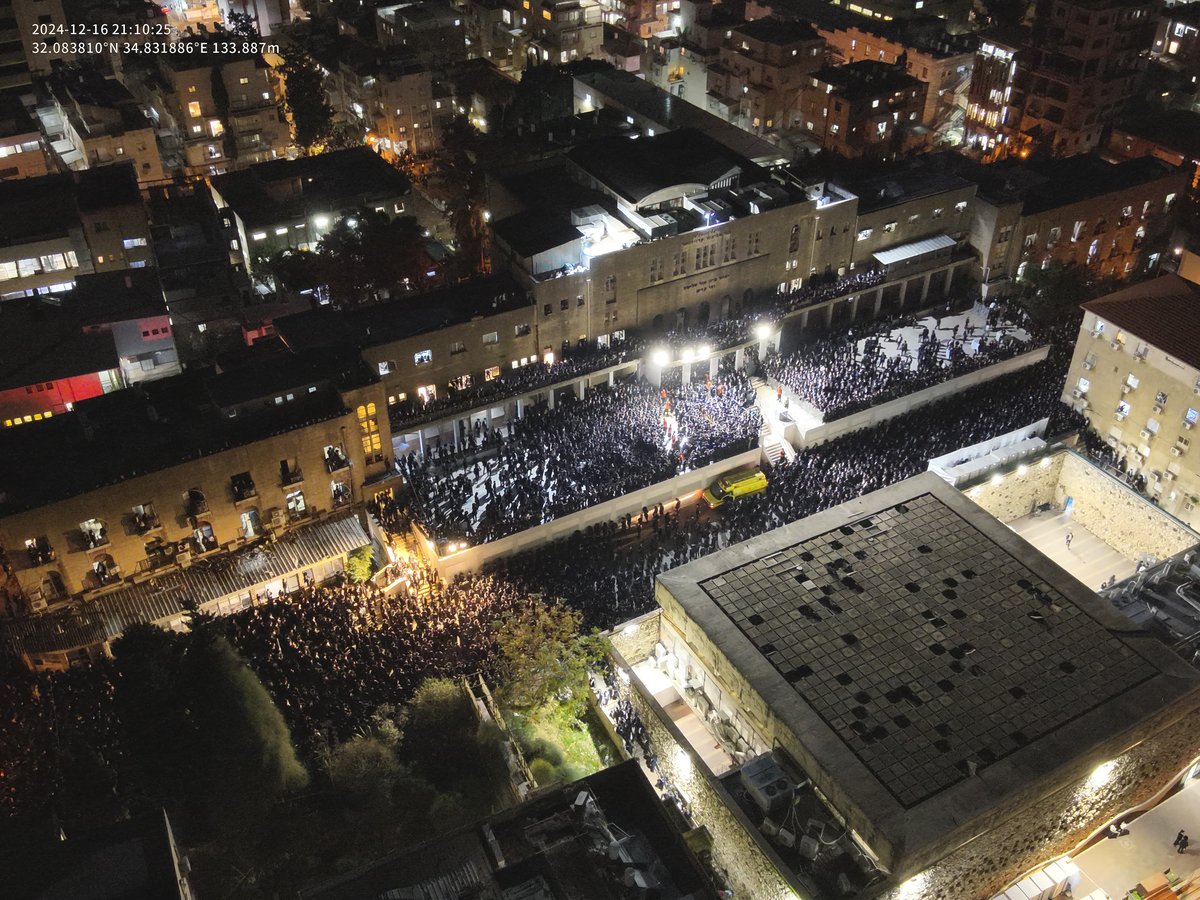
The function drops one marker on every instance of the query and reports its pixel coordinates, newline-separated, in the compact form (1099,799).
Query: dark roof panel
(1164,312)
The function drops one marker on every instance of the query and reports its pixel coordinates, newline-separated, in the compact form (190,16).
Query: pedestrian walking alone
(1179,837)
(1070,537)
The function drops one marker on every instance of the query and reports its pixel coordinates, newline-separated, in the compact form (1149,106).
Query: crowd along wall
(800,436)
(683,486)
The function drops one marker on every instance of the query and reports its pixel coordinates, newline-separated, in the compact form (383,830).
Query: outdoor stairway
(772,446)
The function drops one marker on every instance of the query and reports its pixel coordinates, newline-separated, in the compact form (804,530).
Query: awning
(914,250)
(208,579)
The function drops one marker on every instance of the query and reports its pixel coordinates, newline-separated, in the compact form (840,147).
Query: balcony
(335,460)
(40,552)
(144,523)
(288,477)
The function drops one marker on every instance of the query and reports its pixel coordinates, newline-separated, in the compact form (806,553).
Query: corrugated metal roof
(914,249)
(205,581)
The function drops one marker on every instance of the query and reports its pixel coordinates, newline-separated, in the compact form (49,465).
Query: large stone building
(389,96)
(152,480)
(1136,376)
(936,701)
(60,226)
(668,230)
(1113,220)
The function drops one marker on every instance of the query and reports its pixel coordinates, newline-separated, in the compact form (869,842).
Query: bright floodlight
(1022,469)
(688,354)
(352,222)
(660,357)
(762,330)
(997,478)
(321,221)
(703,351)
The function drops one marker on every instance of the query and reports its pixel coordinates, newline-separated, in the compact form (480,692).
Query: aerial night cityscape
(599,450)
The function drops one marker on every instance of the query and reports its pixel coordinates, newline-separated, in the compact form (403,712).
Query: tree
(544,656)
(1052,295)
(241,25)
(305,101)
(360,564)
(367,252)
(244,745)
(364,772)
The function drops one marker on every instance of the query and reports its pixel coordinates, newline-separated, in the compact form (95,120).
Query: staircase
(772,447)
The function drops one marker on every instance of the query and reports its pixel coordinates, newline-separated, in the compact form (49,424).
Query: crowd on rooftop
(553,462)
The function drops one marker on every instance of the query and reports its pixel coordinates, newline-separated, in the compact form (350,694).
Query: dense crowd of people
(872,363)
(553,462)
(331,654)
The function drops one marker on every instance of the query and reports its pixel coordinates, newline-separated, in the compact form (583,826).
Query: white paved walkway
(1116,865)
(1089,559)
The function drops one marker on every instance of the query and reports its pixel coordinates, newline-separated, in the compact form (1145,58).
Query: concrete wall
(869,417)
(1113,512)
(1053,825)
(681,486)
(750,868)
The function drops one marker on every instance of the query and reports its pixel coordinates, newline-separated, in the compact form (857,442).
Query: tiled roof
(1164,312)
(206,580)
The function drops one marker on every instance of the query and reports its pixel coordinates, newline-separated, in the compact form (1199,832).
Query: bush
(360,565)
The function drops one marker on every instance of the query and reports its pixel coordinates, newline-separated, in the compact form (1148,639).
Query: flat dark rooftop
(771,30)
(45,337)
(634,169)
(1050,184)
(907,638)
(1175,129)
(923,178)
(534,231)
(289,188)
(370,326)
(866,78)
(147,428)
(48,206)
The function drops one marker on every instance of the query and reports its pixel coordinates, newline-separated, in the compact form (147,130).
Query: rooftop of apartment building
(1164,312)
(14,117)
(282,189)
(927,34)
(48,206)
(1174,129)
(370,326)
(76,88)
(1008,677)
(156,425)
(866,78)
(424,15)
(583,840)
(910,180)
(364,59)
(1181,12)
(780,32)
(1046,184)
(669,112)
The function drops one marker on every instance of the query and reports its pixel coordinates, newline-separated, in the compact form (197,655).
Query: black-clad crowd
(871,363)
(553,462)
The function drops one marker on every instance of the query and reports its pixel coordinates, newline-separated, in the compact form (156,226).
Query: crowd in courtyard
(553,462)
(871,363)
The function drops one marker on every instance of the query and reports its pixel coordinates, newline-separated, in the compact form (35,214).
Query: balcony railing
(286,479)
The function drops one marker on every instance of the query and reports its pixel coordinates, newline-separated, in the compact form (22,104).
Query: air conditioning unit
(1168,476)
(1177,451)
(1157,408)
(1145,434)
(1089,364)
(184,558)
(1155,476)
(1187,426)
(1183,443)
(1125,389)
(278,519)
(1078,394)
(1189,504)
(1114,345)
(1120,417)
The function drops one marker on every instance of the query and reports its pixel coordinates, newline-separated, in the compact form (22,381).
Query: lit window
(422,357)
(282,230)
(258,236)
(194,109)
(130,243)
(243,80)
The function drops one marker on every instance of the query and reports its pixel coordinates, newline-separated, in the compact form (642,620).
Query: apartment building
(61,226)
(391,95)
(292,202)
(149,480)
(1135,374)
(22,147)
(866,108)
(112,331)
(1055,87)
(221,108)
(759,76)
(1112,219)
(95,121)
(432,33)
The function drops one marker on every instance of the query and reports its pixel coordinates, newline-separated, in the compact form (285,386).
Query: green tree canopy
(367,251)
(544,655)
(305,100)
